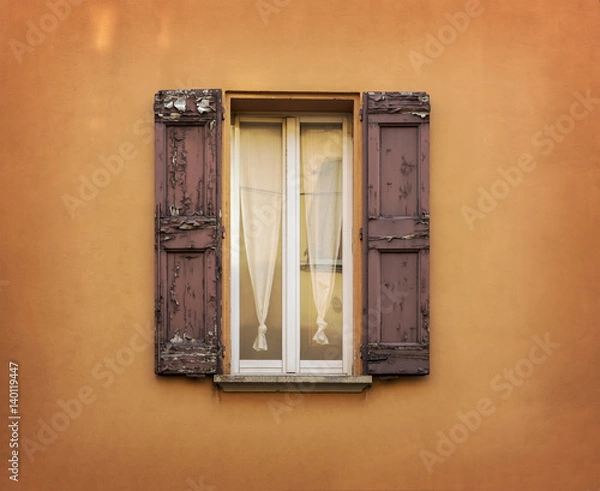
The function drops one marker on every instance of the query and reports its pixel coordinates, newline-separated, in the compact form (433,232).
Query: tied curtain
(321,161)
(260,200)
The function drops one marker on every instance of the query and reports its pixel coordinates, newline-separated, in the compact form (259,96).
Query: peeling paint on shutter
(396,225)
(188,231)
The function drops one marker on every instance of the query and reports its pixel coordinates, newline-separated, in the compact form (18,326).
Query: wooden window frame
(301,105)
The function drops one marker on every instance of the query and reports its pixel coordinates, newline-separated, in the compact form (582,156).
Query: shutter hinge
(424,218)
(360,113)
(360,234)
(157,311)
(223,230)
(369,357)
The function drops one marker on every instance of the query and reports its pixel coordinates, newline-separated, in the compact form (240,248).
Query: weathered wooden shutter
(188,231)
(396,233)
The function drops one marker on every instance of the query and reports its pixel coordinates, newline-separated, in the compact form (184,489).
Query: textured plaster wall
(76,260)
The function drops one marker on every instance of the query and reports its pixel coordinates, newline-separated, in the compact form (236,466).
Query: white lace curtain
(261,205)
(321,155)
(260,183)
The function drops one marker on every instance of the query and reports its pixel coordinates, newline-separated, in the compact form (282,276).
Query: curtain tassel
(320,337)
(260,343)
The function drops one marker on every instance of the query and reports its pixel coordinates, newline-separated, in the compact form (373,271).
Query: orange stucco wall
(76,277)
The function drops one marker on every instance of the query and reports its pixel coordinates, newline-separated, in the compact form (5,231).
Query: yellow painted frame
(357,164)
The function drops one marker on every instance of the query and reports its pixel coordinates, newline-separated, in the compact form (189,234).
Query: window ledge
(293,383)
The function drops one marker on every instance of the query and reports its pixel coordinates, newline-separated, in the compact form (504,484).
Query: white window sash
(291,363)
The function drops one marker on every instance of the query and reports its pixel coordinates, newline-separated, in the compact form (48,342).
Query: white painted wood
(321,367)
(234,252)
(347,253)
(260,366)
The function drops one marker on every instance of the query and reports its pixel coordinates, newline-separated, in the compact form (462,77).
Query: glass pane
(320,241)
(261,166)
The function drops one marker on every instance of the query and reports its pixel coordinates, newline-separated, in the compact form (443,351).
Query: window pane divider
(291,236)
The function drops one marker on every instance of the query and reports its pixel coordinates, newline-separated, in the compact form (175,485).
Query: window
(324,249)
(291,245)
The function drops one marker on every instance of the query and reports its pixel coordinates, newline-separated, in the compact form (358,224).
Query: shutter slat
(396,225)
(188,232)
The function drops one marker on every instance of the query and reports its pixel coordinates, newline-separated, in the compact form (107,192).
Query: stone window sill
(293,383)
